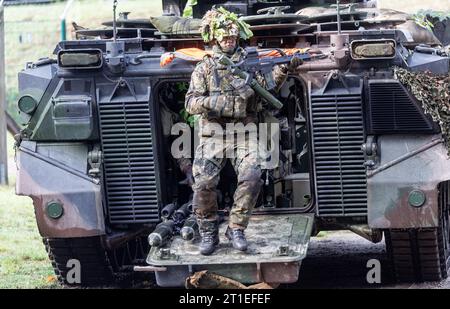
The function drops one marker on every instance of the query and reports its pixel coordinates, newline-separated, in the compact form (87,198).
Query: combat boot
(238,238)
(209,232)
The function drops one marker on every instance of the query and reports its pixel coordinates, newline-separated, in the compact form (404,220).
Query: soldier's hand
(295,62)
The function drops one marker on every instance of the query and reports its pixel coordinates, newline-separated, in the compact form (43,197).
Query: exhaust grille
(340,174)
(394,110)
(129,167)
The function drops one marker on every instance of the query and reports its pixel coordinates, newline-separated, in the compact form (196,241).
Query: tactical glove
(294,63)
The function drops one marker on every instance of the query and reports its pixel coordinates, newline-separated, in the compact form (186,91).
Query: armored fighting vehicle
(362,147)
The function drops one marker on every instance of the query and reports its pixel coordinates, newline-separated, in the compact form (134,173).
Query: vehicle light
(416,198)
(80,59)
(372,49)
(27,104)
(54,210)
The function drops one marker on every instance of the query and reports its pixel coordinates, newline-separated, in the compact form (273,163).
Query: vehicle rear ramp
(277,245)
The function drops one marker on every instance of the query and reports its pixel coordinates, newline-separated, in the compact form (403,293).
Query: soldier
(170,98)
(220,99)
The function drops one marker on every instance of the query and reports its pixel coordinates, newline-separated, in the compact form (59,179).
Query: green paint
(55,210)
(416,198)
(27,104)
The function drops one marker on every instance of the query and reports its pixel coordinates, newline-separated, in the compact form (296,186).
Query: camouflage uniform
(211,86)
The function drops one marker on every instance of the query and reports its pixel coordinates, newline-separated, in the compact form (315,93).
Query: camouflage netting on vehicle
(433,91)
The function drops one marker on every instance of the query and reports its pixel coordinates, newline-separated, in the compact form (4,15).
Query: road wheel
(422,254)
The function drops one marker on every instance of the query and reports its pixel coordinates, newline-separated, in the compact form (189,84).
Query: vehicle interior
(285,187)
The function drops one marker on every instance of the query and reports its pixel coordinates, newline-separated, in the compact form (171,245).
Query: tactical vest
(219,79)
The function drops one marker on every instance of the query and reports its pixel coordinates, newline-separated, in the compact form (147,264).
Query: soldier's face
(228,44)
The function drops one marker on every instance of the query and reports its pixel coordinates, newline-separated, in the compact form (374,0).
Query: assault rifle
(252,64)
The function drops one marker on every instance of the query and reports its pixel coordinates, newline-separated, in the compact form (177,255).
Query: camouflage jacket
(211,78)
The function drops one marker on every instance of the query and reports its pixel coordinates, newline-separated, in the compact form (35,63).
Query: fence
(26,41)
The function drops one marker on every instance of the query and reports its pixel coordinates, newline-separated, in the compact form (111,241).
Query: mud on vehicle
(357,150)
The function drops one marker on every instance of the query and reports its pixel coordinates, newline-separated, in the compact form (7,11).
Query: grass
(23,260)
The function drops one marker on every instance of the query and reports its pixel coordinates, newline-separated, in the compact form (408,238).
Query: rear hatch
(277,245)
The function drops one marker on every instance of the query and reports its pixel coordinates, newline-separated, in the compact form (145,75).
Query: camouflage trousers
(208,163)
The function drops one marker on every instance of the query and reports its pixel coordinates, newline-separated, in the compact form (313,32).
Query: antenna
(114,57)
(338,4)
(114,21)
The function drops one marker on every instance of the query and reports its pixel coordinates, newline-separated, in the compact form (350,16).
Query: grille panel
(337,134)
(129,168)
(393,110)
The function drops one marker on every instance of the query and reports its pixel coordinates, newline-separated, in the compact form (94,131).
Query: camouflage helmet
(220,23)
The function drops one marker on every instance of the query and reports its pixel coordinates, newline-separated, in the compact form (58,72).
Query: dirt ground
(338,260)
